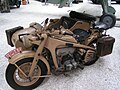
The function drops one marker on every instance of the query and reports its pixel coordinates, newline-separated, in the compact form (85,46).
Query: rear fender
(28,54)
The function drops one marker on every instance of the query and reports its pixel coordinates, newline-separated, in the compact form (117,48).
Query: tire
(12,72)
(108,19)
(96,1)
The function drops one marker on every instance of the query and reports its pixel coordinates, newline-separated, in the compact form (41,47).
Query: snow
(103,75)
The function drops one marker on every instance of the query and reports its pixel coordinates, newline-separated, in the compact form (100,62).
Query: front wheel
(18,81)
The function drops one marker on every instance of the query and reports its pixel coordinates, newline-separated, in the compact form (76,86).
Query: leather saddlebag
(105,45)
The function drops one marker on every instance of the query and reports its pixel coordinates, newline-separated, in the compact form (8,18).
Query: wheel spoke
(21,71)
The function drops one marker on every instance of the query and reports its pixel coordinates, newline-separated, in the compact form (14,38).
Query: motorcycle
(56,47)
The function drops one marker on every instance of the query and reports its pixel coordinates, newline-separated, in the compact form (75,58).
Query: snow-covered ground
(103,75)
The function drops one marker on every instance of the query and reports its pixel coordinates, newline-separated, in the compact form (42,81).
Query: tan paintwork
(57,40)
(27,54)
(53,43)
(15,36)
(38,53)
(80,25)
(68,39)
(19,56)
(94,35)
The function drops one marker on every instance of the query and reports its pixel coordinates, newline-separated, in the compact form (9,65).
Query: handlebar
(22,35)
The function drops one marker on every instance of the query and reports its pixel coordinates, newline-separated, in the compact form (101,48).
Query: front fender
(28,54)
(22,55)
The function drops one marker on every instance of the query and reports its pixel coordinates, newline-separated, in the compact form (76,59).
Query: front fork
(37,54)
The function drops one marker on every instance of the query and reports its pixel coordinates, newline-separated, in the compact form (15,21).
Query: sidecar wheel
(18,81)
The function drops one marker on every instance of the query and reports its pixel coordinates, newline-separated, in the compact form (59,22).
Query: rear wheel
(18,81)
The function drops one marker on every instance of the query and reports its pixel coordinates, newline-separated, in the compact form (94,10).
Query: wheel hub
(26,81)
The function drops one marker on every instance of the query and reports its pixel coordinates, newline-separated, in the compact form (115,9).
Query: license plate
(13,52)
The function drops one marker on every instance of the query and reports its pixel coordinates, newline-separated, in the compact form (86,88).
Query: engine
(67,58)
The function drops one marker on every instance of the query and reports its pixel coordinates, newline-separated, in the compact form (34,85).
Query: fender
(28,54)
